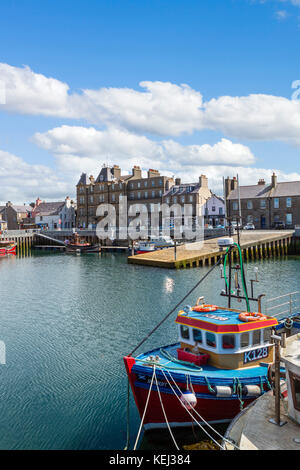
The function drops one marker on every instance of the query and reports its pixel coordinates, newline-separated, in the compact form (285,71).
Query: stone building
(193,194)
(267,206)
(17,216)
(111,185)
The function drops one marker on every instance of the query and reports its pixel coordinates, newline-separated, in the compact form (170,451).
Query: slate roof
(49,208)
(286,189)
(83,179)
(251,192)
(184,188)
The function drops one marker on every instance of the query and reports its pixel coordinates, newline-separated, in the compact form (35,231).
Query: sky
(186,87)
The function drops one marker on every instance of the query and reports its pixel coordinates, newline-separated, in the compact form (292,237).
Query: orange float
(252,316)
(205,308)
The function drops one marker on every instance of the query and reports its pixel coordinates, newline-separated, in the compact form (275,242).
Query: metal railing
(283,305)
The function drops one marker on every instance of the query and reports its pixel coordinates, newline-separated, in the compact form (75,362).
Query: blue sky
(219,48)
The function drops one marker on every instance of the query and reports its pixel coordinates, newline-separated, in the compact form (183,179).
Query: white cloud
(72,145)
(21,182)
(163,109)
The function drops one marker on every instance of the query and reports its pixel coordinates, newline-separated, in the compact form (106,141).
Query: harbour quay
(254,245)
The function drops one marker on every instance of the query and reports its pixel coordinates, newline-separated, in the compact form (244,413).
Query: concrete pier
(255,244)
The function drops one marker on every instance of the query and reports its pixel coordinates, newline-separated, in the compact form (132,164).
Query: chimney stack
(136,172)
(178,181)
(152,173)
(116,170)
(261,181)
(203,181)
(274,180)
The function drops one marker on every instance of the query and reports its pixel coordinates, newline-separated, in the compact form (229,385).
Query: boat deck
(249,374)
(253,430)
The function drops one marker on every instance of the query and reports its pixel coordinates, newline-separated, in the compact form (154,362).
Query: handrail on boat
(292,300)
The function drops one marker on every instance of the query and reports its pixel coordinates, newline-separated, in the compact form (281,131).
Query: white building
(55,215)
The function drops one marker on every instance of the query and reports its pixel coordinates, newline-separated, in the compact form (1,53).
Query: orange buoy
(205,308)
(252,316)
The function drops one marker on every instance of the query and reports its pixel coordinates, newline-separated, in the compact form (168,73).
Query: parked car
(279,225)
(220,226)
(249,227)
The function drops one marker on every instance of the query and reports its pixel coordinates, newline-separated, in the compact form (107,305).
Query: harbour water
(67,321)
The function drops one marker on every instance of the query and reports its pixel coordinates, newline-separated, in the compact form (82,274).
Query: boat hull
(8,250)
(83,249)
(212,409)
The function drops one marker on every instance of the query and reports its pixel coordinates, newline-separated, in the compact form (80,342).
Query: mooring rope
(198,414)
(163,409)
(142,421)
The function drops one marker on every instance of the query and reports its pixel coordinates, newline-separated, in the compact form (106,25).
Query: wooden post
(277,391)
(175,250)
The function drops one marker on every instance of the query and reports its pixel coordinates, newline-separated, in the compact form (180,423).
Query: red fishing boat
(7,247)
(219,365)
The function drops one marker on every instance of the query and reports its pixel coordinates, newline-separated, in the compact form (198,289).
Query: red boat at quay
(7,247)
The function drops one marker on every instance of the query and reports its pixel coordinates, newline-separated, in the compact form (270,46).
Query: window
(139,195)
(197,335)
(160,193)
(113,186)
(191,198)
(182,198)
(289,219)
(160,182)
(228,341)
(185,332)
(175,199)
(267,335)
(153,193)
(153,183)
(249,205)
(113,197)
(145,184)
(131,195)
(235,206)
(146,194)
(168,200)
(92,199)
(120,185)
(131,185)
(288,202)
(276,203)
(220,210)
(211,339)
(262,203)
(213,208)
(244,340)
(139,184)
(256,337)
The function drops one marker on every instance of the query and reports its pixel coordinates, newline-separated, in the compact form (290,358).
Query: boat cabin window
(211,339)
(197,335)
(244,340)
(185,332)
(228,341)
(256,337)
(267,335)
